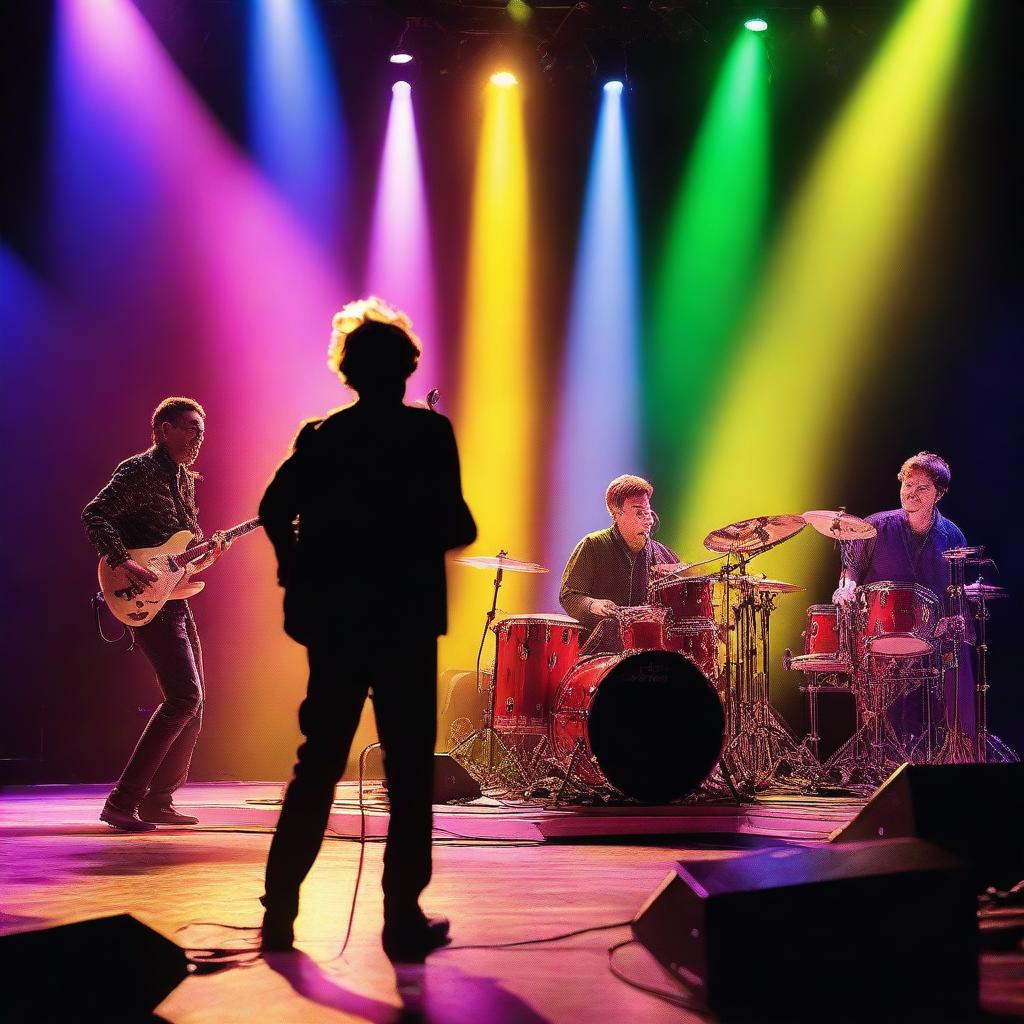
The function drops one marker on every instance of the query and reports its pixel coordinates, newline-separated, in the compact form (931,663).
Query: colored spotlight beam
(810,344)
(712,250)
(184,274)
(400,262)
(599,423)
(296,130)
(497,406)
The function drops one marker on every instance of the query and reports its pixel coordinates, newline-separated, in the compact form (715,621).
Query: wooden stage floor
(502,874)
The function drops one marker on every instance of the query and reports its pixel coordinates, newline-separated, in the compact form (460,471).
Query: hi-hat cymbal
(840,525)
(751,535)
(499,562)
(970,555)
(978,591)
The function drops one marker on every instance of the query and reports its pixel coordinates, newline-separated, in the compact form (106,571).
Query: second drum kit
(683,704)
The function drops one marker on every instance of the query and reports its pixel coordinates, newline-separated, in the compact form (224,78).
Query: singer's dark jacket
(361,514)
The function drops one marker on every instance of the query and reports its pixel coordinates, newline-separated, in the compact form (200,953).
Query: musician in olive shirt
(151,496)
(612,568)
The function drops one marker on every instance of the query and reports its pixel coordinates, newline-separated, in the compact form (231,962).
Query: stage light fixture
(614,87)
(504,79)
(400,58)
(519,11)
(756,24)
(819,19)
(401,88)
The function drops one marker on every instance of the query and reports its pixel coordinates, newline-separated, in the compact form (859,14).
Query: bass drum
(647,723)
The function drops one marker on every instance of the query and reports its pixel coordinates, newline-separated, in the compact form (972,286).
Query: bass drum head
(656,726)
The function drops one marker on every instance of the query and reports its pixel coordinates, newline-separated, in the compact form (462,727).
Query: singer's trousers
(403,676)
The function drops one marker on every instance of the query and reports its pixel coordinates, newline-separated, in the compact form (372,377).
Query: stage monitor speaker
(105,969)
(975,810)
(452,781)
(867,932)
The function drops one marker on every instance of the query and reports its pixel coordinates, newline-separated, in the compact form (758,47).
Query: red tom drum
(697,641)
(534,652)
(646,723)
(899,619)
(687,597)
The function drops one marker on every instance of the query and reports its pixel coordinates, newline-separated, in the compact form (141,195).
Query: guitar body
(134,606)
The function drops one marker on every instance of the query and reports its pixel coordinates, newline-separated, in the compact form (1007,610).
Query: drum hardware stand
(989,747)
(957,747)
(761,739)
(488,735)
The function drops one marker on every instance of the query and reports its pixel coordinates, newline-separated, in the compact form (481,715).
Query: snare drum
(687,597)
(534,652)
(642,627)
(826,642)
(899,619)
(646,722)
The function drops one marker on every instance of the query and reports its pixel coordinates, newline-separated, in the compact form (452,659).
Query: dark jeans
(160,762)
(403,674)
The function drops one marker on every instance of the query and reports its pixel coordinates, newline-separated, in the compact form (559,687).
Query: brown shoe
(124,821)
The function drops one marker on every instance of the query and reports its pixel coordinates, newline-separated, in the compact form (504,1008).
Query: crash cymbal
(840,525)
(499,562)
(979,590)
(751,535)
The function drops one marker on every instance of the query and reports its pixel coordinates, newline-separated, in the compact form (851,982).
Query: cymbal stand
(761,739)
(988,746)
(957,747)
(485,773)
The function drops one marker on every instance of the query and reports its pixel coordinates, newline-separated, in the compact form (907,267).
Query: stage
(501,874)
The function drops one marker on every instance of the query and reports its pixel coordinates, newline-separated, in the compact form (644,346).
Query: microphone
(433,397)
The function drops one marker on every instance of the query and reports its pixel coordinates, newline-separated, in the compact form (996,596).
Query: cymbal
(967,554)
(499,562)
(751,535)
(840,525)
(766,585)
(777,586)
(978,591)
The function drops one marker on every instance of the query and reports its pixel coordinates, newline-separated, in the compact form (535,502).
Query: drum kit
(682,706)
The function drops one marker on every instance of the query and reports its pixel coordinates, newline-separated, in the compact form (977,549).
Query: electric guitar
(135,605)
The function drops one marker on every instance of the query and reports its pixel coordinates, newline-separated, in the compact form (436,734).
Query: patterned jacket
(149,497)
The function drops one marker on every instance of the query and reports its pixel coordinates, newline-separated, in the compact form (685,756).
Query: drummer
(611,568)
(907,548)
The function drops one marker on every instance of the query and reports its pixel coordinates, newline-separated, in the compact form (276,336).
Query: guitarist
(150,496)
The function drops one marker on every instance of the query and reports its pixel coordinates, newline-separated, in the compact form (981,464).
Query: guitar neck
(195,552)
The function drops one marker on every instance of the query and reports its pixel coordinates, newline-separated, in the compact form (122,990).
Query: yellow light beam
(496,418)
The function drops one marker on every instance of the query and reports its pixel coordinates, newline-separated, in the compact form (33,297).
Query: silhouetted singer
(361,514)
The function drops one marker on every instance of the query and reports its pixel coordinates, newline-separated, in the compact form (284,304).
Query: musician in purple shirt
(907,548)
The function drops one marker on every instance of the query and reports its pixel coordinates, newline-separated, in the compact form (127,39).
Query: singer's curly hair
(372,341)
(622,488)
(933,466)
